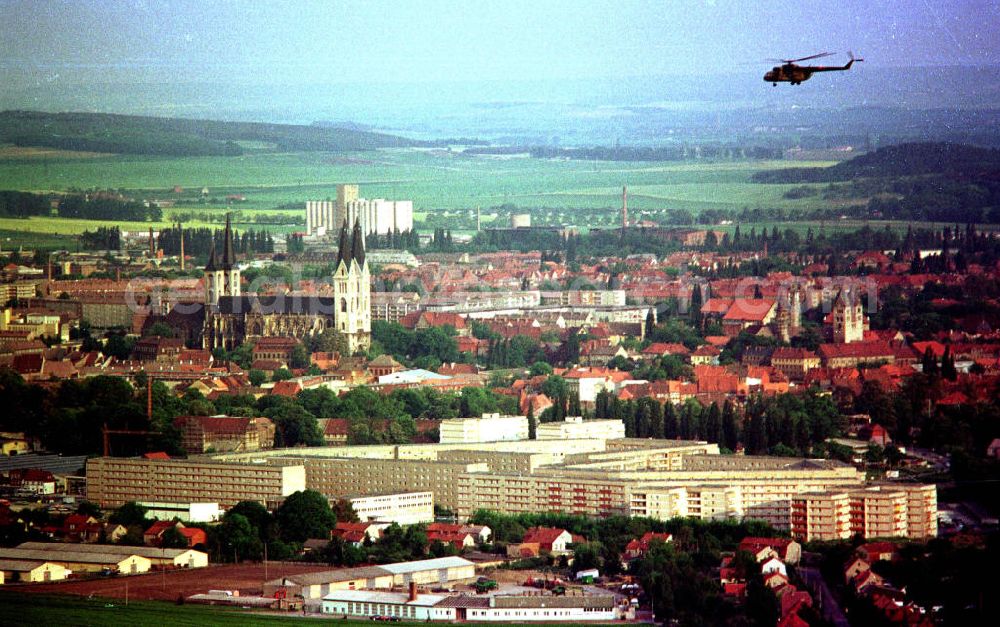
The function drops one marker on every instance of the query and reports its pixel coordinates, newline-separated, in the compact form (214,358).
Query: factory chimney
(624,208)
(182,247)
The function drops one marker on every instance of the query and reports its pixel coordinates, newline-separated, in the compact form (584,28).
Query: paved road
(825,600)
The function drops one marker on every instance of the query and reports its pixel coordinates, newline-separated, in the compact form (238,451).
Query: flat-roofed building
(404,508)
(396,605)
(535,608)
(316,585)
(898,510)
(185,512)
(114,481)
(821,516)
(439,570)
(592,477)
(489,428)
(576,428)
(879,513)
(375,215)
(338,477)
(436,571)
(921,509)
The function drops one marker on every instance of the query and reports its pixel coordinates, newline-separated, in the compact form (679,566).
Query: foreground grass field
(80,611)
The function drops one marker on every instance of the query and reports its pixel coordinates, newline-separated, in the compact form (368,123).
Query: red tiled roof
(874,349)
(755,544)
(286,388)
(749,309)
(663,348)
(542,535)
(716,306)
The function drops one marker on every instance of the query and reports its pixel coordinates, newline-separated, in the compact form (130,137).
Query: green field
(432,179)
(435,181)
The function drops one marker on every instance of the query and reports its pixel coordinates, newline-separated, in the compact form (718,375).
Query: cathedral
(232,318)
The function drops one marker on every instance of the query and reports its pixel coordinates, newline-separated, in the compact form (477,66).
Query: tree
(159,329)
(344,511)
(172,538)
(118,346)
(329,341)
(130,514)
(475,402)
(237,538)
(948,370)
(532,423)
(587,556)
(540,368)
(281,374)
(299,357)
(929,362)
(88,508)
(555,387)
(294,426)
(694,308)
(713,424)
(257,377)
(303,515)
(730,428)
(258,517)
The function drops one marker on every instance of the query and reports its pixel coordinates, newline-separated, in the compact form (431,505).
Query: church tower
(848,319)
(222,278)
(352,290)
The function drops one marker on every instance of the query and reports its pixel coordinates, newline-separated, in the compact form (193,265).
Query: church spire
(228,256)
(344,248)
(358,245)
(213,259)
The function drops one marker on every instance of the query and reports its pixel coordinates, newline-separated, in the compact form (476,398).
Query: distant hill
(912,159)
(138,135)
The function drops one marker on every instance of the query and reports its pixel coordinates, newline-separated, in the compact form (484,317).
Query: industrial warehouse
(53,561)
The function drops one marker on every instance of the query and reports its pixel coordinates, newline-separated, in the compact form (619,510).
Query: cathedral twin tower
(232,319)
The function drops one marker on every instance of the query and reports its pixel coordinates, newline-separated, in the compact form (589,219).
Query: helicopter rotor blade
(815,56)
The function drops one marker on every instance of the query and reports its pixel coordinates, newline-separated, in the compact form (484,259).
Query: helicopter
(788,72)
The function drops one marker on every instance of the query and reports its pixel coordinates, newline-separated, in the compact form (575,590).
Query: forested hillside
(913,159)
(129,134)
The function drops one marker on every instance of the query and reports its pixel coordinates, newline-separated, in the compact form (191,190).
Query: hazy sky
(411,40)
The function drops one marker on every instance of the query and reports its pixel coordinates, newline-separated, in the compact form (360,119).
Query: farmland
(432,179)
(437,181)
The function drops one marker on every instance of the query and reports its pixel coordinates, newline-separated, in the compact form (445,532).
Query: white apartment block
(576,428)
(403,508)
(489,428)
(326,217)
